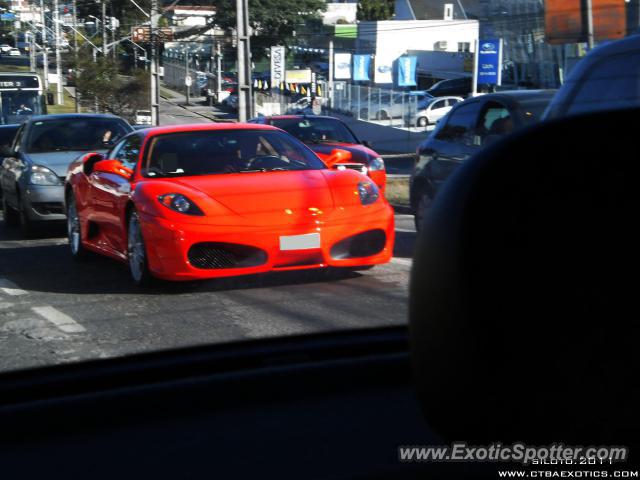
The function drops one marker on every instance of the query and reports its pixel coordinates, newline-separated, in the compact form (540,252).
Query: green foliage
(114,93)
(375,9)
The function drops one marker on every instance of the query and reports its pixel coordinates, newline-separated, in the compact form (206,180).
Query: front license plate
(300,242)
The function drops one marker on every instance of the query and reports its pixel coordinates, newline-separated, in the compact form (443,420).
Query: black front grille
(364,244)
(358,167)
(214,255)
(48,208)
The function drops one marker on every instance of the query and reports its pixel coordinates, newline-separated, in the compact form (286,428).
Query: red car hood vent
(264,193)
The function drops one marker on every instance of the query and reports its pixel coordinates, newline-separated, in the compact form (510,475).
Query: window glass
(452,101)
(129,151)
(80,134)
(460,124)
(613,82)
(316,130)
(226,151)
(439,104)
(495,120)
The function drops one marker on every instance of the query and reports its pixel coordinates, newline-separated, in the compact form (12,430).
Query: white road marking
(41,242)
(11,288)
(5,305)
(402,261)
(407,230)
(61,320)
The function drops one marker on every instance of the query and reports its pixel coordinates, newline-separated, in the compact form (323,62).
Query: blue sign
(7,17)
(361,65)
(407,71)
(490,62)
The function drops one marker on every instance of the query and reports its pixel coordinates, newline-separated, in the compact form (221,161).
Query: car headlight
(179,203)
(368,192)
(376,164)
(40,175)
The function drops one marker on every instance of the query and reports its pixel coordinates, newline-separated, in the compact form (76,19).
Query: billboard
(565,20)
(278,59)
(383,72)
(342,66)
(361,65)
(298,76)
(407,71)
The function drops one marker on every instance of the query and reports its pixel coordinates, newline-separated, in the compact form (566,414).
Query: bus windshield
(18,105)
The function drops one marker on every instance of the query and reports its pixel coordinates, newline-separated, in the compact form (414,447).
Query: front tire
(423,122)
(137,253)
(26,224)
(424,203)
(10,216)
(74,231)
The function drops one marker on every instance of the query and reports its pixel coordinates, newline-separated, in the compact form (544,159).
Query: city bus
(21,96)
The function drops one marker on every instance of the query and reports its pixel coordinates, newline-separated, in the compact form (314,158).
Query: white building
(340,12)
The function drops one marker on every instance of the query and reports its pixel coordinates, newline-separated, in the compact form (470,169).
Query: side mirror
(338,155)
(114,167)
(89,160)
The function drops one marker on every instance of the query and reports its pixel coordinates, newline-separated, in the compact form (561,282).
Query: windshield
(316,130)
(220,152)
(79,134)
(17,106)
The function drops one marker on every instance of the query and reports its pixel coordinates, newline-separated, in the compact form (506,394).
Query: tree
(373,10)
(120,95)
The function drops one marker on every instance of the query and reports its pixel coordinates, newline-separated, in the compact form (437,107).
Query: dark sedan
(32,173)
(468,127)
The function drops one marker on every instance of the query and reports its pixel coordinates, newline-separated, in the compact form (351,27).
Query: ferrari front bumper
(169,245)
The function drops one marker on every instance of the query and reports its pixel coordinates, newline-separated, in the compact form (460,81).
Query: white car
(431,110)
(4,48)
(14,52)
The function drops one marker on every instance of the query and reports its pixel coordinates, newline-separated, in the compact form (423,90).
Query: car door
(13,168)
(454,142)
(110,193)
(437,110)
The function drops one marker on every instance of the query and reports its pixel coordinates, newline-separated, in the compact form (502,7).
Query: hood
(267,198)
(359,153)
(57,161)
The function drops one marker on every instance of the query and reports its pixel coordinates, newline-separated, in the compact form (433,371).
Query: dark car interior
(521,329)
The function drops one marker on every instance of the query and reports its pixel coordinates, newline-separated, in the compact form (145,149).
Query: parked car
(433,109)
(605,79)
(14,52)
(326,134)
(33,172)
(468,127)
(385,105)
(244,198)
(458,87)
(7,135)
(4,48)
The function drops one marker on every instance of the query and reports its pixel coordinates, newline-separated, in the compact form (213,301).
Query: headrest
(523,289)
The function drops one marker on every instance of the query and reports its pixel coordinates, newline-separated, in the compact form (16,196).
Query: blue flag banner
(490,62)
(361,65)
(407,71)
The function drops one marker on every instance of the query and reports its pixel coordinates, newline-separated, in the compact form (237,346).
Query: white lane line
(406,230)
(402,261)
(63,321)
(10,288)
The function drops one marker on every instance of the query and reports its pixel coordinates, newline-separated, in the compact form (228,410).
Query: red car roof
(199,127)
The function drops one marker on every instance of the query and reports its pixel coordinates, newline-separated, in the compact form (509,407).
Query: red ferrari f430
(203,201)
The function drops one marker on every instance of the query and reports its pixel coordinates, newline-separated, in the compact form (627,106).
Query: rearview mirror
(338,155)
(89,160)
(114,167)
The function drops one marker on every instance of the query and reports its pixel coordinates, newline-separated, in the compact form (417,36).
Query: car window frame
(473,103)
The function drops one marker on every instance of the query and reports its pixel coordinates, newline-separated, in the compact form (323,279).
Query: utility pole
(74,22)
(56,29)
(104,29)
(155,84)
(245,97)
(330,92)
(45,56)
(588,9)
(32,51)
(187,80)
(218,71)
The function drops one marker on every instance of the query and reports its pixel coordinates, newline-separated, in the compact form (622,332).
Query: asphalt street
(53,310)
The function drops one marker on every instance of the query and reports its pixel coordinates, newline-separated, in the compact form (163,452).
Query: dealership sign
(278,60)
(489,55)
(298,76)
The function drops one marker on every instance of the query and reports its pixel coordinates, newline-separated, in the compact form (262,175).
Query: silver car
(34,166)
(431,110)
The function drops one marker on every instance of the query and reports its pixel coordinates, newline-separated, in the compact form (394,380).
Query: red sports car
(325,134)
(189,202)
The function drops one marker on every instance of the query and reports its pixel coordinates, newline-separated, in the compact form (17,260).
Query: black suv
(468,127)
(457,87)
